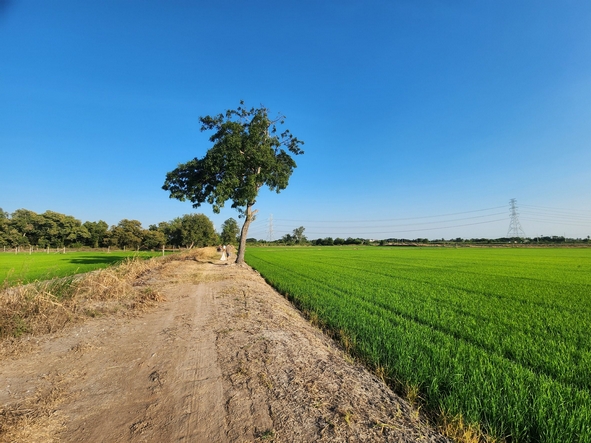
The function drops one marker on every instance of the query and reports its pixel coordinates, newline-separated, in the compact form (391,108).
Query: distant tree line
(297,237)
(25,228)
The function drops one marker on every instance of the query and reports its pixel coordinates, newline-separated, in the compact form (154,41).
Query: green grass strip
(25,268)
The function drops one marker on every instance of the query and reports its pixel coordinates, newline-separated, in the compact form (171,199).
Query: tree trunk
(249,217)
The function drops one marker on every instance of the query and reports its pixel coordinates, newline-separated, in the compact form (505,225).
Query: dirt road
(223,359)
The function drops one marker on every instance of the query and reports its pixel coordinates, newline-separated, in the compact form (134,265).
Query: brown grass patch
(45,307)
(207,254)
(31,420)
(456,428)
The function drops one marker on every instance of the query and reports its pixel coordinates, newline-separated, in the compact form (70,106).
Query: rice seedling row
(497,336)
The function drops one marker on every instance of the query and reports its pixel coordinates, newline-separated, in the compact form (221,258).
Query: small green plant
(268,435)
(19,326)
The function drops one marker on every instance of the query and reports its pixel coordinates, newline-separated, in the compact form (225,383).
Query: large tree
(247,154)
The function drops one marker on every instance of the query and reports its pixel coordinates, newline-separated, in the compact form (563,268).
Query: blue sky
(420,119)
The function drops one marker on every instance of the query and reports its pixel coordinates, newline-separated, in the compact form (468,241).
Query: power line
(414,224)
(588,212)
(431,229)
(398,226)
(391,219)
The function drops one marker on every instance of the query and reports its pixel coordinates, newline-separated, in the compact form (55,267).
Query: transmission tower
(515,229)
(270,235)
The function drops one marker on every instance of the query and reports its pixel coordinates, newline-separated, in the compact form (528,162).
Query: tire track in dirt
(200,379)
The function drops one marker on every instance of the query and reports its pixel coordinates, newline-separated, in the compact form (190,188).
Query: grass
(497,339)
(47,306)
(25,268)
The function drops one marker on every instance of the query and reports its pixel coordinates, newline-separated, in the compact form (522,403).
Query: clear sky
(420,118)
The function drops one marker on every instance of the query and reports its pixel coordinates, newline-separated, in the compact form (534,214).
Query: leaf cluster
(248,153)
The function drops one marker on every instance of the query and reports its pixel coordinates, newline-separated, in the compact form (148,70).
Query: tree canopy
(247,153)
(230,230)
(25,228)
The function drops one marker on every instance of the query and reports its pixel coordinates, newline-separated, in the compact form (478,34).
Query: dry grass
(31,420)
(463,432)
(208,254)
(45,307)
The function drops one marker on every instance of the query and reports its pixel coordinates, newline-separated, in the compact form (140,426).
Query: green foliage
(26,228)
(247,154)
(298,235)
(197,231)
(499,336)
(127,234)
(4,223)
(50,229)
(230,230)
(97,232)
(153,239)
(190,230)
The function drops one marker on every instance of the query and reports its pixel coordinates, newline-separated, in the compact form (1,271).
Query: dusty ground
(223,359)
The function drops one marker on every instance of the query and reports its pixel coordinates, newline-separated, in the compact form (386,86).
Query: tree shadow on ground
(97,259)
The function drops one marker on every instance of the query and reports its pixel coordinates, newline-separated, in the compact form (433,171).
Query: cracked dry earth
(224,359)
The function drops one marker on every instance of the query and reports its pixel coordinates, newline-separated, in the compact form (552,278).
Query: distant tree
(353,241)
(230,232)
(59,230)
(298,235)
(22,227)
(247,154)
(196,230)
(4,225)
(288,239)
(339,241)
(153,239)
(97,232)
(127,234)
(174,232)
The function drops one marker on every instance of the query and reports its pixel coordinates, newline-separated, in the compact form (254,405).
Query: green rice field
(501,337)
(26,268)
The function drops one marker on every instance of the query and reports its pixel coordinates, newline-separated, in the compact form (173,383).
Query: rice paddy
(25,268)
(499,337)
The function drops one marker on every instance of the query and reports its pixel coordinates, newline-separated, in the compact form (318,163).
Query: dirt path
(224,359)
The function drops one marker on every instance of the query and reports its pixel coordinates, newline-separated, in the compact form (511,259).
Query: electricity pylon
(270,235)
(515,229)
